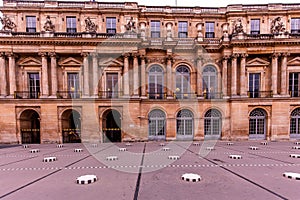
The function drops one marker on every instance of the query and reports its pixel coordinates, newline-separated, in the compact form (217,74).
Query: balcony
(26,95)
(110,94)
(178,95)
(69,94)
(213,95)
(260,94)
(294,93)
(156,95)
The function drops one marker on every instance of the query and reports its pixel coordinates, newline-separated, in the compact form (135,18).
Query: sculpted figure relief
(238,26)
(49,26)
(277,26)
(89,25)
(7,24)
(130,26)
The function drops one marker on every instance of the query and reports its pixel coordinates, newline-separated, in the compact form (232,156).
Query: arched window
(157,122)
(184,124)
(210,82)
(257,124)
(213,123)
(155,82)
(182,90)
(295,124)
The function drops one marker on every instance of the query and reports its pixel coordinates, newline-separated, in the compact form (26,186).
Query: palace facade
(92,71)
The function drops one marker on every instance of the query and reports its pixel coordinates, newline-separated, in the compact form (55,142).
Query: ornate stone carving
(277,26)
(130,26)
(238,26)
(7,24)
(90,26)
(49,26)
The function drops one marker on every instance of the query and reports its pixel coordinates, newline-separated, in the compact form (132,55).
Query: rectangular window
(155,29)
(73,85)
(182,29)
(34,85)
(209,29)
(30,24)
(255,26)
(295,25)
(294,84)
(111,24)
(254,83)
(71,25)
(112,85)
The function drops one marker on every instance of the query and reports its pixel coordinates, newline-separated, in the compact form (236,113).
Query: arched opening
(156,82)
(210,82)
(157,123)
(30,127)
(295,124)
(112,126)
(71,126)
(213,124)
(257,124)
(184,125)
(182,90)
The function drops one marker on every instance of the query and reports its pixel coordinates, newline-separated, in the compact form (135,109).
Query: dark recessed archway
(112,126)
(30,127)
(71,126)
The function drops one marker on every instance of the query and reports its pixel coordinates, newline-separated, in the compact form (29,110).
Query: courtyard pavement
(145,171)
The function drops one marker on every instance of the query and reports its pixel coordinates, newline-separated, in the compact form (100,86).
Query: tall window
(184,124)
(112,85)
(294,84)
(30,24)
(182,29)
(157,122)
(71,25)
(295,25)
(209,29)
(34,85)
(182,82)
(254,83)
(155,29)
(73,85)
(212,123)
(155,82)
(255,26)
(295,123)
(111,24)
(257,124)
(210,82)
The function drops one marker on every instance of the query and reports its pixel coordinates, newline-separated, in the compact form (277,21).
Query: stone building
(92,71)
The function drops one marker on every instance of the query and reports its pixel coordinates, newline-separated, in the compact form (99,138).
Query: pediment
(30,61)
(110,62)
(294,61)
(257,62)
(70,62)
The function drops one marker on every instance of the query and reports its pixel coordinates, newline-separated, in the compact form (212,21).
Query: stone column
(12,74)
(3,80)
(234,74)
(243,78)
(53,74)
(126,76)
(85,75)
(284,76)
(169,78)
(199,77)
(143,76)
(45,81)
(275,73)
(135,76)
(224,76)
(95,75)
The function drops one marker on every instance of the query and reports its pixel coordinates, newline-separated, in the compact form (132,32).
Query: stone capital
(2,54)
(42,54)
(52,54)
(244,55)
(10,54)
(84,54)
(285,54)
(226,57)
(275,55)
(126,55)
(235,55)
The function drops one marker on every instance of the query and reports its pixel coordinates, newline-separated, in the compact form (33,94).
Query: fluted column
(126,76)
(143,76)
(11,73)
(234,74)
(85,75)
(169,77)
(3,80)
(53,74)
(243,78)
(284,77)
(135,76)
(45,81)
(95,74)
(199,77)
(224,76)
(275,73)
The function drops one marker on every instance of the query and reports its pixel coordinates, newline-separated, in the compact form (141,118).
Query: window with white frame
(34,85)
(210,29)
(294,84)
(295,25)
(30,24)
(255,26)
(182,29)
(111,25)
(71,25)
(155,29)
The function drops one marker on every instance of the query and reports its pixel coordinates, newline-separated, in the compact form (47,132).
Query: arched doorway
(112,126)
(157,123)
(295,124)
(257,124)
(71,126)
(30,127)
(212,124)
(184,125)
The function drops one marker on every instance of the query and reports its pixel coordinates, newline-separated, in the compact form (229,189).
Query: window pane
(71,24)
(255,26)
(209,29)
(182,29)
(295,25)
(30,24)
(155,29)
(111,25)
(73,85)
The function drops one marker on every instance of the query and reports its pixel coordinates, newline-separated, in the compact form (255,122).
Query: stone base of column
(52,97)
(144,97)
(226,97)
(235,96)
(86,96)
(126,96)
(10,96)
(200,97)
(276,95)
(244,96)
(135,96)
(285,95)
(170,97)
(2,96)
(44,96)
